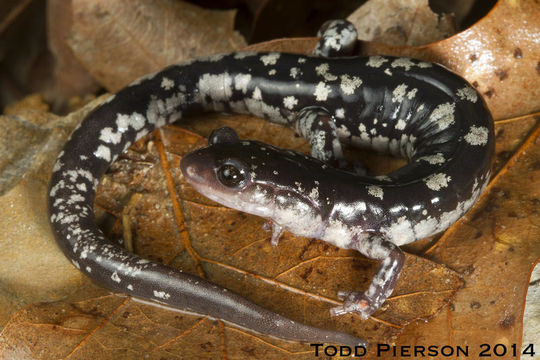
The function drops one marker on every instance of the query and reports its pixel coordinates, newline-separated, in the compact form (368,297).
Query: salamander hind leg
(383,283)
(338,38)
(316,124)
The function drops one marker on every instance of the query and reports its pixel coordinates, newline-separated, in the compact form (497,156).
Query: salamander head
(226,172)
(251,176)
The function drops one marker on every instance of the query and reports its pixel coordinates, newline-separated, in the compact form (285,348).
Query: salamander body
(409,108)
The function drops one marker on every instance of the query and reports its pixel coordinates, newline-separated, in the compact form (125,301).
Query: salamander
(408,108)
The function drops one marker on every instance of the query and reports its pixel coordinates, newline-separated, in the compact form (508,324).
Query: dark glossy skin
(406,107)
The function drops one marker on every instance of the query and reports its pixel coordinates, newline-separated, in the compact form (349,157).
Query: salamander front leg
(383,283)
(276,230)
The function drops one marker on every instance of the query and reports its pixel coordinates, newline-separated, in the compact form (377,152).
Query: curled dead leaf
(116,44)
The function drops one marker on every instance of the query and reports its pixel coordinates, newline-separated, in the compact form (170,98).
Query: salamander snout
(193,169)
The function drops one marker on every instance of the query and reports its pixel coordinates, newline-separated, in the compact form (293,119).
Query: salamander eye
(231,176)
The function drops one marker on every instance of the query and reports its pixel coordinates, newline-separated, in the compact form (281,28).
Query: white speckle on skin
(375,191)
(115,277)
(270,59)
(161,294)
(412,93)
(74,198)
(376,61)
(294,72)
(314,194)
(467,93)
(103,152)
(122,122)
(81,187)
(130,287)
(340,113)
(434,159)
(257,94)
(399,93)
(400,124)
(338,233)
(400,232)
(477,135)
(107,135)
(388,72)
(301,60)
(167,84)
(321,91)
(300,218)
(443,115)
(272,72)
(362,127)
(137,121)
(425,227)
(343,132)
(349,84)
(402,62)
(437,181)
(218,87)
(290,102)
(241,82)
(323,70)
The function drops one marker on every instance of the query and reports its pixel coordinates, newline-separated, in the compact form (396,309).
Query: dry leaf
(119,41)
(394,22)
(490,248)
(32,268)
(9,11)
(70,78)
(23,57)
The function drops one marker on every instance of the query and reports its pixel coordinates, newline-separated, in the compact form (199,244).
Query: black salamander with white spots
(405,107)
